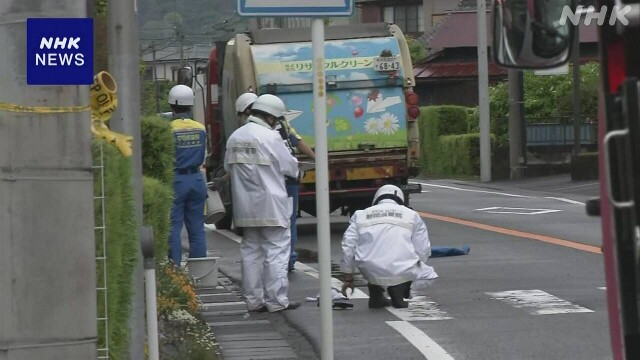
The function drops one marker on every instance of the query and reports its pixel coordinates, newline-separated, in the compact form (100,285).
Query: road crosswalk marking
(420,309)
(537,302)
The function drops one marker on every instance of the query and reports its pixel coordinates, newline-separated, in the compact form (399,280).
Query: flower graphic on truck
(389,123)
(372,126)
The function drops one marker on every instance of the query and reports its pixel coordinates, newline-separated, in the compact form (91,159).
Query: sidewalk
(242,335)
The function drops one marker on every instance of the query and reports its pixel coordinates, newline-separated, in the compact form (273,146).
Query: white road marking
(472,190)
(427,347)
(537,302)
(357,293)
(516,211)
(602,288)
(577,186)
(565,200)
(420,309)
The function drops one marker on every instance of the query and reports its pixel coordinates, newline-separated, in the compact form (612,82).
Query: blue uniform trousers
(188,209)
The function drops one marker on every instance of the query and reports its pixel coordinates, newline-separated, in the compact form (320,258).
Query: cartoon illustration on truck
(371,108)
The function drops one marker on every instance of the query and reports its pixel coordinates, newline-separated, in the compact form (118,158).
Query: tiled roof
(432,71)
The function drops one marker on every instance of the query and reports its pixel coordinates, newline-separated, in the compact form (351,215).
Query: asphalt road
(532,286)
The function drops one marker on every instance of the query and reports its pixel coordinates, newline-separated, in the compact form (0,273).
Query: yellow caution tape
(42,109)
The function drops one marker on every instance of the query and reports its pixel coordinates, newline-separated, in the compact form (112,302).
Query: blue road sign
(319,8)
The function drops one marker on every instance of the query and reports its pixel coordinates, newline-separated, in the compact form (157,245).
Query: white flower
(372,126)
(389,123)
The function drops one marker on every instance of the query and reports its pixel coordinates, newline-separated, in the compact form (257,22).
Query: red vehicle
(528,35)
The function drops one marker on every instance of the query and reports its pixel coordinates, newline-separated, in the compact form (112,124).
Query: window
(409,18)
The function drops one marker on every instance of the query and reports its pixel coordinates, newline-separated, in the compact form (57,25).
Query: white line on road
(565,200)
(420,309)
(577,186)
(357,293)
(537,302)
(427,347)
(516,211)
(472,190)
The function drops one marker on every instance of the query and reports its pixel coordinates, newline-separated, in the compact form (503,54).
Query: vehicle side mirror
(185,76)
(528,34)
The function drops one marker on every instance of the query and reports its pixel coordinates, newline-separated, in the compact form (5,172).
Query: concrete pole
(515,124)
(483,93)
(47,249)
(322,188)
(576,92)
(124,65)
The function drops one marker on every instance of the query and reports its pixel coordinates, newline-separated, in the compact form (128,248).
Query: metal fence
(560,132)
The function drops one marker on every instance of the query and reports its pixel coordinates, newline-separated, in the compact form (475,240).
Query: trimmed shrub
(121,242)
(158,149)
(157,201)
(436,121)
(452,119)
(462,154)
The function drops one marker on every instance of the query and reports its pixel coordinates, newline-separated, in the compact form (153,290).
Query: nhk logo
(59,51)
(618,13)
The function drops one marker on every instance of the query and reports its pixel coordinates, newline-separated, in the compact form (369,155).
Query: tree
(417,50)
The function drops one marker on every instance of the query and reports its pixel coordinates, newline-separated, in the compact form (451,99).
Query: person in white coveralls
(258,161)
(389,244)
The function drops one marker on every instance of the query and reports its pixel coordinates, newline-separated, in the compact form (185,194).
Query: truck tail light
(412,100)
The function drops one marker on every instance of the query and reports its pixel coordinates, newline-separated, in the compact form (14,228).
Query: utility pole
(124,65)
(576,92)
(483,93)
(516,98)
(155,76)
(47,250)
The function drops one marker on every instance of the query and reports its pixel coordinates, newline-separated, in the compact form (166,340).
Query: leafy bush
(157,201)
(158,149)
(121,242)
(449,141)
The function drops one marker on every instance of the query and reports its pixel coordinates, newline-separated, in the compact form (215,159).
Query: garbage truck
(371,108)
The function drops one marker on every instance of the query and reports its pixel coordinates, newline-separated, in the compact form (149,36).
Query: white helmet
(270,104)
(181,95)
(244,101)
(389,192)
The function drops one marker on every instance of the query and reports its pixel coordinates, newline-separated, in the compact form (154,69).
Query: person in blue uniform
(189,184)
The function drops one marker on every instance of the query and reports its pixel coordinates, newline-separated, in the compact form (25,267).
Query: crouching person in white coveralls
(258,161)
(389,243)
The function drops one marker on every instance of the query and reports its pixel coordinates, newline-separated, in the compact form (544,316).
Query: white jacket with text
(257,161)
(389,243)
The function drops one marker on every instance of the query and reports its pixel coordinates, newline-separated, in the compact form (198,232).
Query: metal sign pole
(322,188)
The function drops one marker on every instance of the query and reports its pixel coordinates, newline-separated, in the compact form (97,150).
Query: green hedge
(158,149)
(121,242)
(449,141)
(158,198)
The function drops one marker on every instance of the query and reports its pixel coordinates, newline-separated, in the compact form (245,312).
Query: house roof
(437,71)
(460,30)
